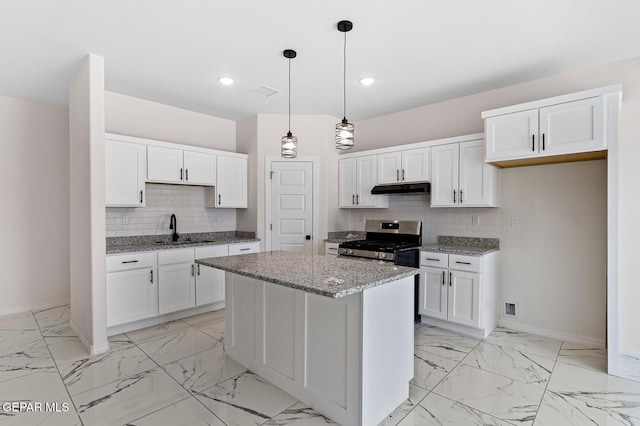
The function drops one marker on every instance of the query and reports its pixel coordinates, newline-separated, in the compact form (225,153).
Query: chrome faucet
(173,224)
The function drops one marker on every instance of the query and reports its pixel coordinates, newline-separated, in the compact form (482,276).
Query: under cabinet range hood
(403,188)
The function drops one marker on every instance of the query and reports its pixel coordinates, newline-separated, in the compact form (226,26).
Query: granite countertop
(324,275)
(468,246)
(162,242)
(343,236)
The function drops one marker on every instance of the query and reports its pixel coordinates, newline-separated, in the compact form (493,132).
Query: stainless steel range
(387,240)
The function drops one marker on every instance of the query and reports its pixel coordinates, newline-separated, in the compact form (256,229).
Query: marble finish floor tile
(12,341)
(525,342)
(629,367)
(188,412)
(128,399)
(206,318)
(577,396)
(139,336)
(430,369)
(435,410)
(23,321)
(245,400)
(25,360)
(95,371)
(215,330)
(54,321)
(590,357)
(416,395)
(172,347)
(299,415)
(499,396)
(42,386)
(66,349)
(530,369)
(203,370)
(60,413)
(443,343)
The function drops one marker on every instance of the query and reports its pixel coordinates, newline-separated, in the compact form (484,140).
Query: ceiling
(419,51)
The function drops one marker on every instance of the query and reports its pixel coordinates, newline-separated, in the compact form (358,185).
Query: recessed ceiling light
(367,81)
(226,81)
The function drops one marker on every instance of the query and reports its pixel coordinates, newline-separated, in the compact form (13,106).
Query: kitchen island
(335,333)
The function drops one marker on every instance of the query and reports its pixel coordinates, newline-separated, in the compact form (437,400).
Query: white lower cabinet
(331,249)
(459,292)
(210,281)
(132,292)
(176,280)
(244,248)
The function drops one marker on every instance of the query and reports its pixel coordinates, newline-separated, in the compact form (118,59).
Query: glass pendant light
(344,129)
(289,146)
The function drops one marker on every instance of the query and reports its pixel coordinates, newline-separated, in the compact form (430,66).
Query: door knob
(307,237)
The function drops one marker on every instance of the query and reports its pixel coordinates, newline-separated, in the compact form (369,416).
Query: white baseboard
(554,334)
(33,307)
(473,332)
(92,349)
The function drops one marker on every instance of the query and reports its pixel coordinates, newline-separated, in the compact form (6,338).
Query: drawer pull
(450,278)
(432,259)
(332,248)
(443,274)
(245,249)
(533,142)
(152,276)
(130,261)
(463,263)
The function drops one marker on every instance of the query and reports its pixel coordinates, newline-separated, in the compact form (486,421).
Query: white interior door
(292,206)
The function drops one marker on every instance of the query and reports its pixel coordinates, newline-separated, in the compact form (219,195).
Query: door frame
(269,160)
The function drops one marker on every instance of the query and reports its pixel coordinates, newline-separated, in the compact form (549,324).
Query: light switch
(475,220)
(515,221)
(125,219)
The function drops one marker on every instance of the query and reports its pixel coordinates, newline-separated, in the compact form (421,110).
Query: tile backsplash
(186,202)
(435,221)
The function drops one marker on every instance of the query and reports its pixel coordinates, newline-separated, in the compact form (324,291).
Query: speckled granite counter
(343,236)
(311,273)
(161,242)
(468,246)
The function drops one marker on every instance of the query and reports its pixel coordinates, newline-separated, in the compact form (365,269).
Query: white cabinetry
(231,186)
(459,292)
(568,124)
(210,281)
(357,176)
(199,168)
(244,248)
(125,173)
(461,178)
(410,165)
(176,280)
(131,288)
(331,249)
(173,165)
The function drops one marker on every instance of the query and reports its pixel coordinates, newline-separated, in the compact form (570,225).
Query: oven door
(411,258)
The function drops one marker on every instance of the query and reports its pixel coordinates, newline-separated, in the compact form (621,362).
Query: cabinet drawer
(438,260)
(464,263)
(244,248)
(331,249)
(125,262)
(181,255)
(212,251)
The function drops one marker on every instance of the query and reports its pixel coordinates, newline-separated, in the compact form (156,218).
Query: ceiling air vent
(264,91)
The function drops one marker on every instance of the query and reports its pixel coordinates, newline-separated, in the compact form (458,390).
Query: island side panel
(387,348)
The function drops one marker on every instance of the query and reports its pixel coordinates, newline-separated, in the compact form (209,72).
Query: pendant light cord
(289,95)
(344,76)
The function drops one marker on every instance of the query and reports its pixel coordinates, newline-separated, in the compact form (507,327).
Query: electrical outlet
(475,220)
(515,221)
(125,219)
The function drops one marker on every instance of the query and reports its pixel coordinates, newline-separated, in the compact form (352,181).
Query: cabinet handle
(180,174)
(152,276)
(130,261)
(543,141)
(461,196)
(443,277)
(353,199)
(140,196)
(450,278)
(357,199)
(245,249)
(186,174)
(403,175)
(219,199)
(463,263)
(198,269)
(397,175)
(454,196)
(432,259)
(192,270)
(533,142)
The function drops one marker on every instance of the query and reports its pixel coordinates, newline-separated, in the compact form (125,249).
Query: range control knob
(383,255)
(350,251)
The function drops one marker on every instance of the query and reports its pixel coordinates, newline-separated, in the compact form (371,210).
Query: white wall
(185,201)
(86,207)
(126,115)
(315,139)
(462,116)
(247,143)
(34,183)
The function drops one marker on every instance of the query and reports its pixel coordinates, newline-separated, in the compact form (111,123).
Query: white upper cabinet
(125,173)
(553,129)
(357,176)
(231,182)
(461,178)
(165,165)
(199,168)
(410,165)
